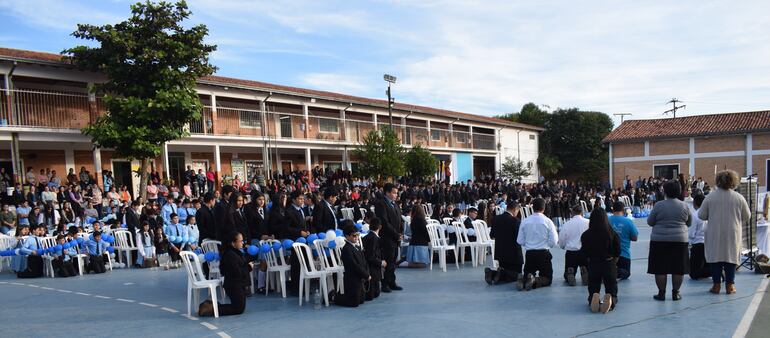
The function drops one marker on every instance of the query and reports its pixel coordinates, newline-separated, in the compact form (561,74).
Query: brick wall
(628,149)
(41,159)
(704,167)
(643,168)
(719,144)
(760,141)
(669,147)
(760,168)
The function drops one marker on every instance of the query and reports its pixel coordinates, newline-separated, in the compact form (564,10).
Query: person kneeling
(237,271)
(373,254)
(62,262)
(356,271)
(96,253)
(33,246)
(601,245)
(537,235)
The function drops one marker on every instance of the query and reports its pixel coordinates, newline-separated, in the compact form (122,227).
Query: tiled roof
(25,55)
(689,126)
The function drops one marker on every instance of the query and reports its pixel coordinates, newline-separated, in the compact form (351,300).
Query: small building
(697,146)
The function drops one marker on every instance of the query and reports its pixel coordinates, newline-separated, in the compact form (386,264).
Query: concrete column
(470,137)
(305,113)
(403,132)
(164,154)
(308,165)
(749,155)
(69,161)
(610,171)
(278,163)
(98,167)
(374,120)
(345,159)
(430,135)
(265,150)
(18,170)
(218,162)
(691,167)
(451,135)
(215,123)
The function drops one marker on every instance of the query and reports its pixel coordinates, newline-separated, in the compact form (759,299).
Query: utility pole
(390,79)
(622,115)
(673,110)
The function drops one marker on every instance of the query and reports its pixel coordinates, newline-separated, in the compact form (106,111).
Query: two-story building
(246,126)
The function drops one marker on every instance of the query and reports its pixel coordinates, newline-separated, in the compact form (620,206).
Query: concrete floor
(134,303)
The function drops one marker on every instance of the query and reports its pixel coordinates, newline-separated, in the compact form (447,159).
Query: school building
(697,146)
(246,126)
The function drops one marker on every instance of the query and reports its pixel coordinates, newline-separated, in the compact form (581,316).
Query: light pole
(390,79)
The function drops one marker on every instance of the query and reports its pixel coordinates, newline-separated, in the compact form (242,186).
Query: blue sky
(481,57)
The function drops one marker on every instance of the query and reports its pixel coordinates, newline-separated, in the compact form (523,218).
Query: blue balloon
(198,251)
(359,226)
(301,240)
(321,235)
(208,257)
(124,225)
(253,250)
(66,245)
(332,244)
(276,246)
(338,232)
(312,238)
(80,240)
(264,248)
(58,247)
(287,243)
(90,220)
(110,249)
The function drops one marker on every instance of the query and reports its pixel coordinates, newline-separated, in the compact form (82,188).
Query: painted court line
(46,288)
(103,297)
(148,304)
(33,285)
(189,317)
(82,293)
(14,283)
(124,300)
(65,291)
(223,335)
(169,310)
(208,325)
(751,311)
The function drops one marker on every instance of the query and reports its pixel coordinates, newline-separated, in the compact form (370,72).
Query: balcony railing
(70,110)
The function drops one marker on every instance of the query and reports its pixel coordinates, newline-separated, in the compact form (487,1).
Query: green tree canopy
(575,137)
(420,163)
(151,63)
(530,113)
(381,154)
(513,168)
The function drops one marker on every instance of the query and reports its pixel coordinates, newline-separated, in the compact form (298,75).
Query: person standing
(726,211)
(569,240)
(698,266)
(601,246)
(505,230)
(389,213)
(627,232)
(537,235)
(669,220)
(324,216)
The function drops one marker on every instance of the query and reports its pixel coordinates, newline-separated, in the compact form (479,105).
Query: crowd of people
(79,214)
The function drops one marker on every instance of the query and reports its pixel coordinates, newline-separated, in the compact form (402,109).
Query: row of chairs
(439,241)
(9,242)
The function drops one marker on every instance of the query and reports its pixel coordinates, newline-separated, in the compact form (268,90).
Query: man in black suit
(132,223)
(256,217)
(505,230)
(296,227)
(389,213)
(373,255)
(324,216)
(221,211)
(205,218)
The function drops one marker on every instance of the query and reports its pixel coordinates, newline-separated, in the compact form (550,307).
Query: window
(250,119)
(332,166)
(435,135)
(667,171)
(328,126)
(462,138)
(531,137)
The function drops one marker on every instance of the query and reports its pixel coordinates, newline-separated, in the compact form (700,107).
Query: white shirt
(537,232)
(569,236)
(697,231)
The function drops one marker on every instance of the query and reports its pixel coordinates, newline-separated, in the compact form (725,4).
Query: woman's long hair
(600,224)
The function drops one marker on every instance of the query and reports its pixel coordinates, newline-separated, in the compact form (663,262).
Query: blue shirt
(166,212)
(625,229)
(96,248)
(182,213)
(23,210)
(32,243)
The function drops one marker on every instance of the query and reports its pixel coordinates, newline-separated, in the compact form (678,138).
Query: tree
(530,113)
(380,154)
(151,63)
(513,168)
(575,137)
(420,163)
(549,165)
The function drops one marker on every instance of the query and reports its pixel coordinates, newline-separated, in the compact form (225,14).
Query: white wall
(525,146)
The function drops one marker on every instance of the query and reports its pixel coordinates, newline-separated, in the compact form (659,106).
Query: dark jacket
(373,255)
(419,228)
(235,268)
(132,221)
(392,227)
(356,271)
(600,245)
(236,221)
(257,224)
(505,229)
(295,222)
(206,226)
(323,218)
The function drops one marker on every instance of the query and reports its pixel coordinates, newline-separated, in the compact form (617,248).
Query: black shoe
(571,277)
(675,295)
(529,280)
(660,296)
(386,289)
(261,291)
(332,296)
(489,276)
(396,288)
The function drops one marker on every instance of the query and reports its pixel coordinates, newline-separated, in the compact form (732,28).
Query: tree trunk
(143,178)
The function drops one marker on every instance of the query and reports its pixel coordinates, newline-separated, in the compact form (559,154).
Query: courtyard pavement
(131,303)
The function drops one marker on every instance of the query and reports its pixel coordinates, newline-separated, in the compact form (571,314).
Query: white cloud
(52,14)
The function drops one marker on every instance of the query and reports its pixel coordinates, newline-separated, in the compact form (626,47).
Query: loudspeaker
(750,193)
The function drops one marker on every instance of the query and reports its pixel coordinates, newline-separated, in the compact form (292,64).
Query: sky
(479,57)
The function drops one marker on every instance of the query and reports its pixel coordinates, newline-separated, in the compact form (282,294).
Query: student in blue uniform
(32,247)
(96,250)
(62,262)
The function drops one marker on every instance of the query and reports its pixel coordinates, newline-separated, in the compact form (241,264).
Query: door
(285,167)
(121,172)
(285,126)
(176,167)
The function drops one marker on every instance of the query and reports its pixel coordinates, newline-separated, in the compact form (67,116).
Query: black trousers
(698,266)
(602,271)
(96,263)
(539,261)
(354,294)
(373,290)
(237,295)
(63,269)
(294,273)
(389,278)
(574,260)
(34,268)
(624,268)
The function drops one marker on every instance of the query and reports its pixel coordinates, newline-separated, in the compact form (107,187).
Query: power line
(673,110)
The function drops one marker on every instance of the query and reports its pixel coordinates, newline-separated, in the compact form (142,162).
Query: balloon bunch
(59,247)
(107,238)
(211,256)
(642,214)
(183,239)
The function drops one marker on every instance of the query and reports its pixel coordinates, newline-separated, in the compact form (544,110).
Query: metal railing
(484,141)
(47,109)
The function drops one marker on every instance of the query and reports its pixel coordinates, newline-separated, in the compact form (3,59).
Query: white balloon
(330,235)
(340,242)
(365,227)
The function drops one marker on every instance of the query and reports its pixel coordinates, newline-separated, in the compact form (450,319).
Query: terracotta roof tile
(688,126)
(221,80)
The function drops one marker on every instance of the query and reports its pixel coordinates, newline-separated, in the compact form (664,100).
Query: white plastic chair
(331,263)
(308,272)
(439,243)
(210,245)
(347,213)
(276,267)
(6,242)
(483,240)
(464,242)
(48,242)
(196,281)
(363,212)
(124,245)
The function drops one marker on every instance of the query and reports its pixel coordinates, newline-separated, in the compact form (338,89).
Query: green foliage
(513,168)
(575,137)
(380,154)
(420,163)
(530,113)
(548,164)
(151,63)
